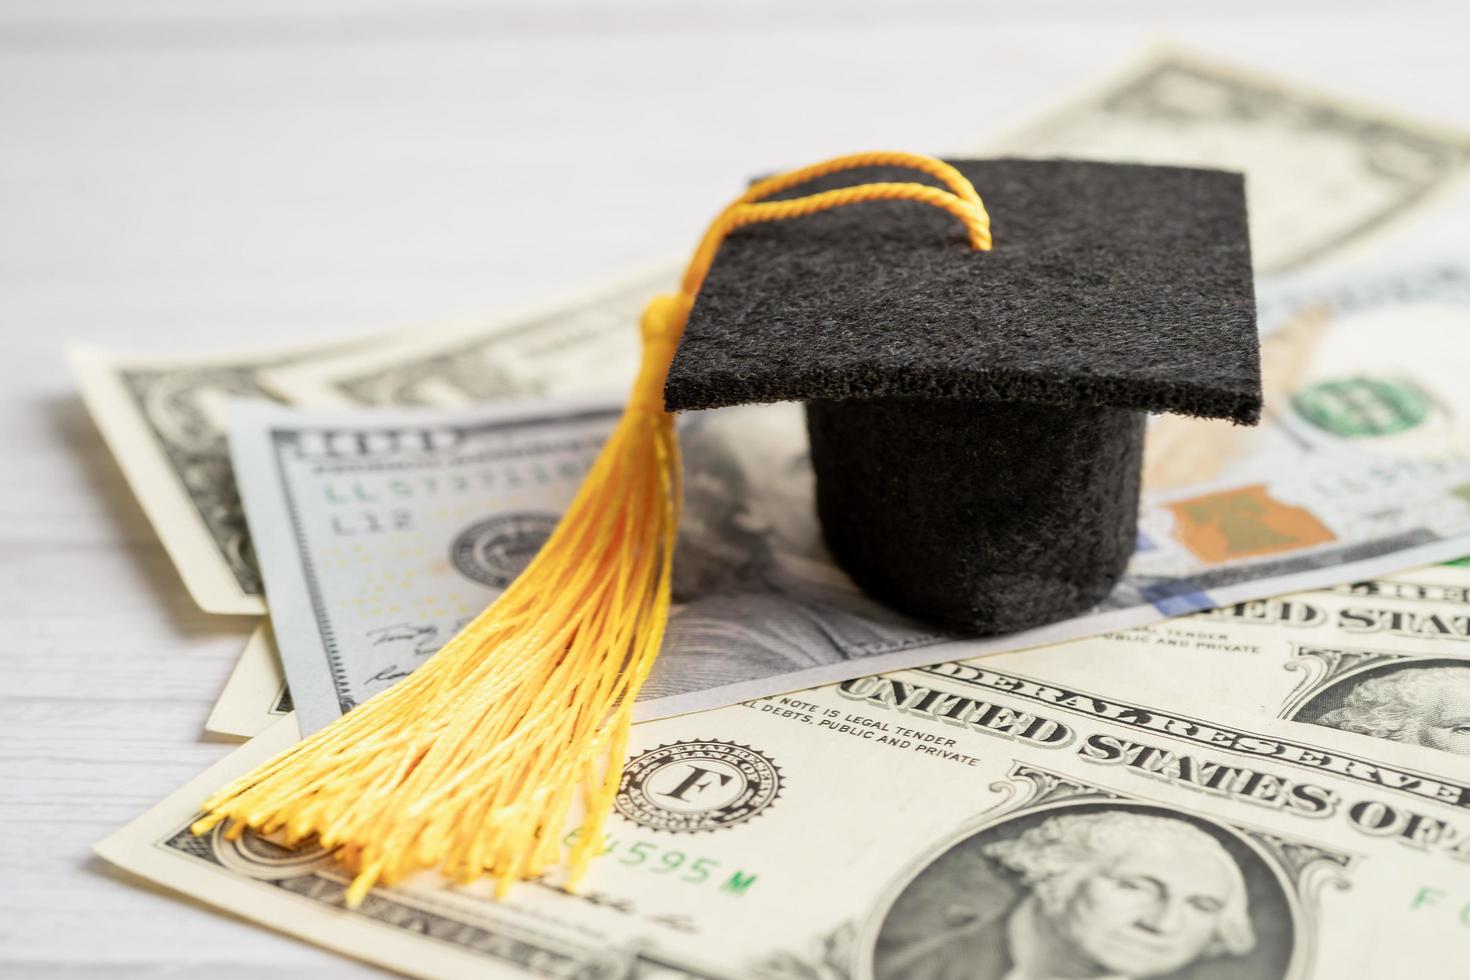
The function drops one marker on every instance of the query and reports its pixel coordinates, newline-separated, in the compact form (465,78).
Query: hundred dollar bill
(382,533)
(381,537)
(984,820)
(255,696)
(1322,172)
(1359,365)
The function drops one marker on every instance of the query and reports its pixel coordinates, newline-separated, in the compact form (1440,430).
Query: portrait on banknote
(1421,701)
(1099,889)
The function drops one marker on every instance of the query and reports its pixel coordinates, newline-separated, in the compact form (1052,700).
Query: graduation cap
(977,418)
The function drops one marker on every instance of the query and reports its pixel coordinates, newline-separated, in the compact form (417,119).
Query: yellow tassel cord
(474,762)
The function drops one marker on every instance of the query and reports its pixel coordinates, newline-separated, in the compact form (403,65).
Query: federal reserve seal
(686,787)
(493,552)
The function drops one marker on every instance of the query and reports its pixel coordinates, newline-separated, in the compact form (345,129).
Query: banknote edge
(1347,248)
(173,517)
(653,709)
(313,381)
(237,713)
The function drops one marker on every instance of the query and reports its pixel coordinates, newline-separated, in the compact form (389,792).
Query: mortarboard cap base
(982,517)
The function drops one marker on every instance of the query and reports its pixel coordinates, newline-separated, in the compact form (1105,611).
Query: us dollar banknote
(588,345)
(163,416)
(163,420)
(1384,659)
(992,819)
(1361,663)
(381,534)
(1322,172)
(255,696)
(1357,363)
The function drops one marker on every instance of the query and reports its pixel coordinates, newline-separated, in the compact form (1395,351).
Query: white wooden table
(179,176)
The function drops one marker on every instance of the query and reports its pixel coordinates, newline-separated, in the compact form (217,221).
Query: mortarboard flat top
(1110,285)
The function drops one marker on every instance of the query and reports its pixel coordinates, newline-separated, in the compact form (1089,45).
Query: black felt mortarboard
(976,418)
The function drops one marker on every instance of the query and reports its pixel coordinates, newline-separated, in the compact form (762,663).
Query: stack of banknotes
(1252,760)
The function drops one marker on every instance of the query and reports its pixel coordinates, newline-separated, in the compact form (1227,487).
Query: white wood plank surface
(183,176)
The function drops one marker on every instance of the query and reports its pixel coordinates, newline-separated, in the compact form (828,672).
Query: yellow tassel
(474,762)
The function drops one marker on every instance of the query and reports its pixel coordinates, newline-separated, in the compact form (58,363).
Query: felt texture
(984,517)
(1112,285)
(977,418)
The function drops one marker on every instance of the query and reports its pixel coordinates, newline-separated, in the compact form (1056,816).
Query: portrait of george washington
(1089,893)
(1417,703)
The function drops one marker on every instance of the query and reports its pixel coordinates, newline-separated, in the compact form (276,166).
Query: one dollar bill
(163,420)
(987,820)
(1322,172)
